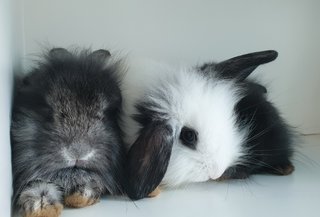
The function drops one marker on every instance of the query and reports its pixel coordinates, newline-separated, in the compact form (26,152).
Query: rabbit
(67,144)
(208,122)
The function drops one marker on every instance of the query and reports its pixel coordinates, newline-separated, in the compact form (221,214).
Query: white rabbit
(200,123)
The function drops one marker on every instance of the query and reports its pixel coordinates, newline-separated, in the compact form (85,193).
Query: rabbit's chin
(171,180)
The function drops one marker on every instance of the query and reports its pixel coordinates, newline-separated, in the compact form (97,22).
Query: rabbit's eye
(189,137)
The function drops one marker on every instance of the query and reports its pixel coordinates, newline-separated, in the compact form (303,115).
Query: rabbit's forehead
(77,118)
(205,103)
(64,99)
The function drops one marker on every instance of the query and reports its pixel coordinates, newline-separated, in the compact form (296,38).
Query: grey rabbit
(66,142)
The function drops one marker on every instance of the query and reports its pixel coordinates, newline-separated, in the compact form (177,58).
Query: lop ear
(241,67)
(148,159)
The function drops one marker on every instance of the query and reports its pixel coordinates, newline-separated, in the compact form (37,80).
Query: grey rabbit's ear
(148,159)
(60,53)
(240,67)
(100,54)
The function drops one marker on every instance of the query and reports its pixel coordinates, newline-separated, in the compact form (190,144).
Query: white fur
(88,192)
(142,75)
(89,155)
(67,156)
(200,102)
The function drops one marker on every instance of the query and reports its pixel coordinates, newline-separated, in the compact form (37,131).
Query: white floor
(262,195)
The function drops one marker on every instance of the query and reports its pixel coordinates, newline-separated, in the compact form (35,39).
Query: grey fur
(65,133)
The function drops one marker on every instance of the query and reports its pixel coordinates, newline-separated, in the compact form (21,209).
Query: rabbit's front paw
(53,210)
(40,199)
(82,198)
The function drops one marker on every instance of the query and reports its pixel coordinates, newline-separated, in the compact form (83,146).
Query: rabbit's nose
(80,163)
(78,150)
(214,171)
(75,156)
(216,174)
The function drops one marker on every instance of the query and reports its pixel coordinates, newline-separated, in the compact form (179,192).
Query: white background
(5,103)
(190,32)
(176,31)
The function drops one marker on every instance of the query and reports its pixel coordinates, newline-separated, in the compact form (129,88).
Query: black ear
(148,159)
(60,53)
(240,67)
(100,54)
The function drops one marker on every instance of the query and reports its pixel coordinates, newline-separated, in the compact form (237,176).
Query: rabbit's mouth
(80,163)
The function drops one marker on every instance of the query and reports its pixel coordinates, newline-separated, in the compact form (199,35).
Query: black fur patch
(269,143)
(149,156)
(240,67)
(148,159)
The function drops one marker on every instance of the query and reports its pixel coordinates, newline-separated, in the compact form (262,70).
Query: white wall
(192,31)
(5,105)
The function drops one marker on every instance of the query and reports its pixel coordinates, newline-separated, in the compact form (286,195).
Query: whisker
(248,187)
(252,118)
(306,158)
(258,134)
(227,193)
